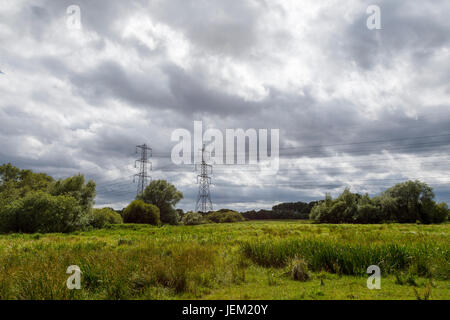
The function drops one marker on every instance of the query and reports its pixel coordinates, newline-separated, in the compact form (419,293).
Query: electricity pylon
(204,203)
(146,153)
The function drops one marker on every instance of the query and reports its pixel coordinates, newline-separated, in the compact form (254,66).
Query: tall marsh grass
(108,272)
(351,259)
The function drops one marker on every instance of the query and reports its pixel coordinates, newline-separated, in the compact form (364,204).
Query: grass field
(248,260)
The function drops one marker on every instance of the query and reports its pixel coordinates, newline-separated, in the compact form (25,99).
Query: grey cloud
(408,27)
(86,136)
(222,27)
(109,79)
(184,92)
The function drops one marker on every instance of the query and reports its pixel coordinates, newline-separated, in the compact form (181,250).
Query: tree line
(35,202)
(406,202)
(287,210)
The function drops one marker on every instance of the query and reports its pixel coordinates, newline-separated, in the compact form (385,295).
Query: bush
(171,215)
(140,212)
(224,216)
(193,218)
(41,212)
(299,269)
(102,217)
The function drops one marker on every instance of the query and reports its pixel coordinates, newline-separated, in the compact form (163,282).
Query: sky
(355,107)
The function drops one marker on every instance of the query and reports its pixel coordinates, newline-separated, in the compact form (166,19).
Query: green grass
(248,260)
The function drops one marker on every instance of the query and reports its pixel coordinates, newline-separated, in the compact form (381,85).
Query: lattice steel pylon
(204,203)
(144,161)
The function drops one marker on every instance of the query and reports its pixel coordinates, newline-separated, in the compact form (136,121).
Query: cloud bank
(356,108)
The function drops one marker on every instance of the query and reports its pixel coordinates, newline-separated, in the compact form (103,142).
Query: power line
(119,188)
(348,143)
(365,142)
(204,203)
(146,153)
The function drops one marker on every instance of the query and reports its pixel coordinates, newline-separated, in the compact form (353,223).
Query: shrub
(193,218)
(224,216)
(41,212)
(102,217)
(140,212)
(299,269)
(171,215)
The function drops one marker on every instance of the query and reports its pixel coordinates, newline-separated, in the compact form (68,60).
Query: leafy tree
(165,196)
(34,202)
(387,205)
(140,212)
(322,211)
(368,213)
(41,212)
(414,200)
(336,214)
(9,173)
(349,212)
(347,208)
(77,188)
(15,182)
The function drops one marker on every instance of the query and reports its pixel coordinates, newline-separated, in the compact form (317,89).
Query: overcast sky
(356,108)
